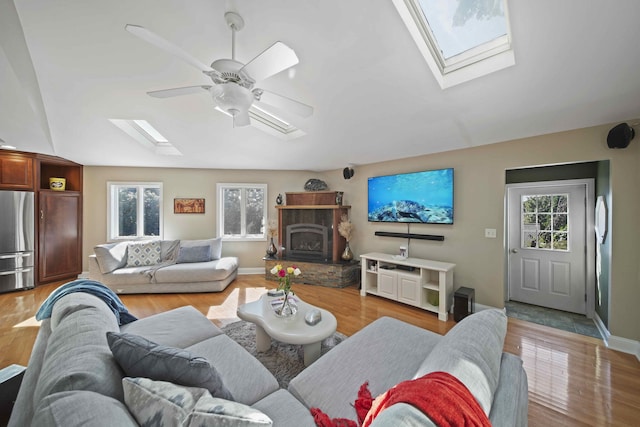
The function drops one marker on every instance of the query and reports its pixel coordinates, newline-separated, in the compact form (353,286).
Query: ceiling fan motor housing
(229,71)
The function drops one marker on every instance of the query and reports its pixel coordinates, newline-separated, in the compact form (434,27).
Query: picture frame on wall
(188,205)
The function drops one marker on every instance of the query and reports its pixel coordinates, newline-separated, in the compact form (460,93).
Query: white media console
(414,281)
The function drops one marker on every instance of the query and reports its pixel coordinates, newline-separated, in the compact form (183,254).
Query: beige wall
(183,183)
(479,204)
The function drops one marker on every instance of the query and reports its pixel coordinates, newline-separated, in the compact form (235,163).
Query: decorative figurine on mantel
(315,184)
(279,199)
(272,231)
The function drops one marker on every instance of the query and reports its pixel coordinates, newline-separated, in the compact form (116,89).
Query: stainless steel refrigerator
(17,229)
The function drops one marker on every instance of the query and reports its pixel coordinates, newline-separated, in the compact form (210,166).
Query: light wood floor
(574,380)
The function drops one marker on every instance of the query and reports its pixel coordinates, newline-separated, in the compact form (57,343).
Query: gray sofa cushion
(285,410)
(247,379)
(140,357)
(174,323)
(472,352)
(111,256)
(384,353)
(77,355)
(198,271)
(81,409)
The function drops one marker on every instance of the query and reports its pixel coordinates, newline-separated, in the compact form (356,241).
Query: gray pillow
(194,254)
(139,357)
(216,245)
(150,401)
(111,256)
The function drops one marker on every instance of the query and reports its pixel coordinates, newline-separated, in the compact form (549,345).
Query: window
(459,40)
(242,212)
(545,222)
(134,210)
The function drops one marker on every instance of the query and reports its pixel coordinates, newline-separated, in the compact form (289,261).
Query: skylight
(460,40)
(270,123)
(145,134)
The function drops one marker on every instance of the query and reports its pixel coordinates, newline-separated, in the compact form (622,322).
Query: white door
(547,245)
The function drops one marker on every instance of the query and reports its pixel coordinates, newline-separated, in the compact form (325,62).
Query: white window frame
(112,210)
(477,62)
(243,236)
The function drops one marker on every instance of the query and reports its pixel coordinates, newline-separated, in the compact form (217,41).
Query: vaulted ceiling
(68,66)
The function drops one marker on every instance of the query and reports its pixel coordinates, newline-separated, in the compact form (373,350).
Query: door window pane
(545,221)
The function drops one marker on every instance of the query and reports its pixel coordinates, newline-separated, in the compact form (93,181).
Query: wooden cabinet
(419,282)
(59,235)
(16,172)
(58,245)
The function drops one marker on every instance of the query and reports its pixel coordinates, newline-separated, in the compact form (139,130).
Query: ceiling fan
(233,82)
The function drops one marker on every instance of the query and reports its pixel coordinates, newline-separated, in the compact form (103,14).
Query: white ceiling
(577,65)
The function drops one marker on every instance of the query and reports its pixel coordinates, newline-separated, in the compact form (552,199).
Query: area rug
(284,361)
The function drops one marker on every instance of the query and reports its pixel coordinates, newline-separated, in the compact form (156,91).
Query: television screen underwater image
(418,197)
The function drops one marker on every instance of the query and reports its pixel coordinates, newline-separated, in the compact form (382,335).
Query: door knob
(514,251)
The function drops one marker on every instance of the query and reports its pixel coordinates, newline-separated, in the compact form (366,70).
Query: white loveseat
(163,266)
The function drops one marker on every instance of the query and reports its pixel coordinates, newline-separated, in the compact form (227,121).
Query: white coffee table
(288,330)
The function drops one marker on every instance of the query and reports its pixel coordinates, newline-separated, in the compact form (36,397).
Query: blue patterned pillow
(153,401)
(140,254)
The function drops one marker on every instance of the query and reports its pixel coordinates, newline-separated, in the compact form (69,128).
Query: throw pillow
(194,254)
(472,351)
(139,357)
(216,245)
(111,256)
(150,401)
(143,253)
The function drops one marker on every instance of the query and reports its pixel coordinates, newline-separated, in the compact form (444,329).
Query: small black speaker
(348,173)
(620,136)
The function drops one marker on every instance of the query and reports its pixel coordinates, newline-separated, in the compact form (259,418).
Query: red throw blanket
(439,395)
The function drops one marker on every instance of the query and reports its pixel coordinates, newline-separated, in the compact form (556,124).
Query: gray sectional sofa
(74,379)
(163,266)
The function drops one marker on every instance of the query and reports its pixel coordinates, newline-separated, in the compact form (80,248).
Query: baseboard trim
(604,332)
(624,345)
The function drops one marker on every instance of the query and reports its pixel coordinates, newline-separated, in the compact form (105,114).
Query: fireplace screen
(308,241)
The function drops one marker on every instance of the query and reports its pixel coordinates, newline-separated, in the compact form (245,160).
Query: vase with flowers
(272,231)
(288,308)
(345,228)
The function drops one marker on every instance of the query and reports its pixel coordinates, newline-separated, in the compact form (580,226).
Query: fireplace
(308,241)
(308,227)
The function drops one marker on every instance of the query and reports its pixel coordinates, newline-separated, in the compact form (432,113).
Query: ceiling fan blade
(167,46)
(283,103)
(241,118)
(168,93)
(276,58)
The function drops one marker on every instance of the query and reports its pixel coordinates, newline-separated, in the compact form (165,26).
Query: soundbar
(410,235)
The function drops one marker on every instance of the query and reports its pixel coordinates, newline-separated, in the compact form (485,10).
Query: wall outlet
(490,233)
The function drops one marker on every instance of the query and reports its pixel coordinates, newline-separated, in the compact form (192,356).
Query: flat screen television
(418,197)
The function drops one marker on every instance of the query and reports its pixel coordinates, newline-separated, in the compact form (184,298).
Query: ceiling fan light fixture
(232,98)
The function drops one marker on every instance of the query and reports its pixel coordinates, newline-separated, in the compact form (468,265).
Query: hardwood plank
(574,380)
